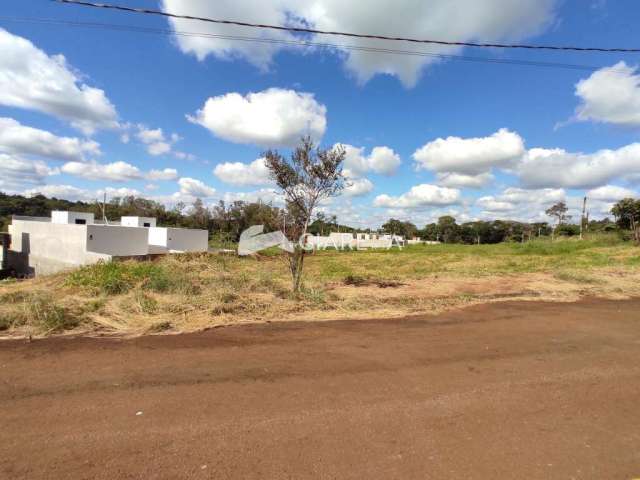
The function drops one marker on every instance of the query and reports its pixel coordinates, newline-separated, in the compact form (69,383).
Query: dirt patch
(358,281)
(536,390)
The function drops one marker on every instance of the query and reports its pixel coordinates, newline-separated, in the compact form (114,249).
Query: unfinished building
(41,246)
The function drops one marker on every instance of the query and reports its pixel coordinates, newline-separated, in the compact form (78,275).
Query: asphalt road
(502,391)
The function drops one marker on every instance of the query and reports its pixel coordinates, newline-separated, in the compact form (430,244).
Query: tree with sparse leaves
(310,176)
(559,211)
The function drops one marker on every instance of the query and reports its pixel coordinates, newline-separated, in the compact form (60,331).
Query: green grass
(114,278)
(178,289)
(419,261)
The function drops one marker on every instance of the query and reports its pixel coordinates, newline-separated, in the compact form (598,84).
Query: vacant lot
(190,292)
(516,390)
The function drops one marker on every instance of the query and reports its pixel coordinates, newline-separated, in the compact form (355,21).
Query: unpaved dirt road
(501,391)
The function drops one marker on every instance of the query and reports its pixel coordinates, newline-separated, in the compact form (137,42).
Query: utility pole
(584,208)
(104,208)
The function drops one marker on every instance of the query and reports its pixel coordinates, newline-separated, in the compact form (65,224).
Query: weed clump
(355,280)
(37,310)
(162,326)
(116,278)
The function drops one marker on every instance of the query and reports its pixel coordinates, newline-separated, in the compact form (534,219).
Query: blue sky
(550,148)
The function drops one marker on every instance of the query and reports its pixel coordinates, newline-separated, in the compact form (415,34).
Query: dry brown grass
(189,292)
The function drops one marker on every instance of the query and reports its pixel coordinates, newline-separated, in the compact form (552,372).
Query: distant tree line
(226,220)
(447,230)
(626,213)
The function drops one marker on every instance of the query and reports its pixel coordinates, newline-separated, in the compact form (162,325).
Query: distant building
(138,222)
(41,245)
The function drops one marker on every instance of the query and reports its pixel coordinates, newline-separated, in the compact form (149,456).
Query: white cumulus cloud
(382,160)
(20,139)
(271,118)
(459,180)
(610,95)
(156,142)
(192,187)
(520,204)
(165,174)
(69,192)
(542,167)
(242,174)
(33,80)
(66,192)
(460,20)
(16,172)
(264,195)
(471,156)
(611,193)
(116,171)
(357,187)
(420,196)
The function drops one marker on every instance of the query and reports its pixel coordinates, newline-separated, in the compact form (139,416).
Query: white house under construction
(40,245)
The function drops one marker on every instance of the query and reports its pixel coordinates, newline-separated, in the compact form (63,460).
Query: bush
(568,230)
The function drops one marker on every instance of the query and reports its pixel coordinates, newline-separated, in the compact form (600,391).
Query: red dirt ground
(501,391)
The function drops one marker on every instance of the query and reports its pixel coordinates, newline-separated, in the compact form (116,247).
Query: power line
(345,34)
(294,43)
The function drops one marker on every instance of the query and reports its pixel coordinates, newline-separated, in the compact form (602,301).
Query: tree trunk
(296,263)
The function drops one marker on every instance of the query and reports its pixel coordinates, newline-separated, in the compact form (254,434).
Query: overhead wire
(295,43)
(298,29)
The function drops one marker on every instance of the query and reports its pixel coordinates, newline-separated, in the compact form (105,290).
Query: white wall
(64,217)
(179,239)
(117,241)
(158,237)
(187,240)
(43,248)
(137,221)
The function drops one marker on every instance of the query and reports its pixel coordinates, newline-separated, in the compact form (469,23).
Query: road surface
(501,391)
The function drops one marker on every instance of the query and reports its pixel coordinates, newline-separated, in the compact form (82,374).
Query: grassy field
(194,291)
